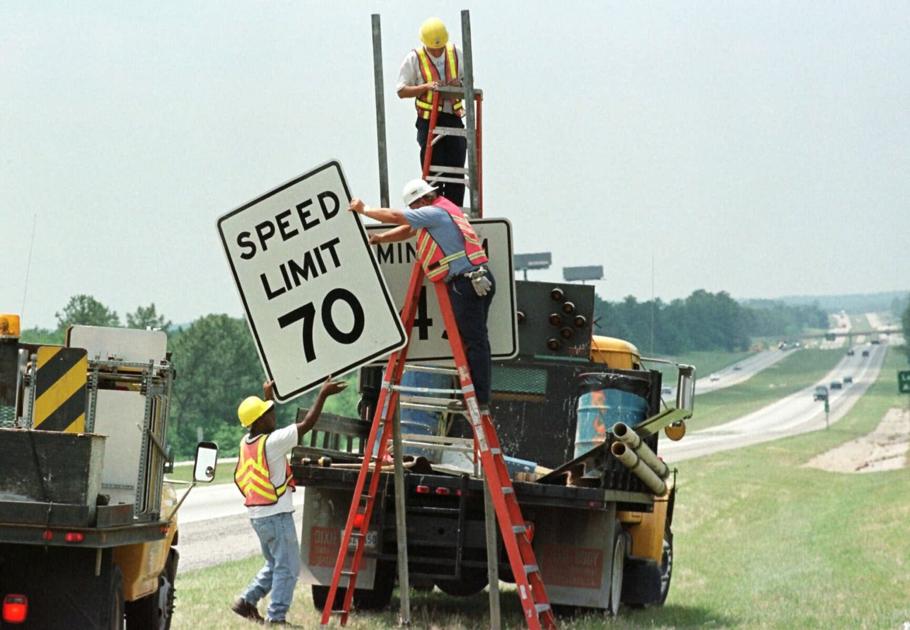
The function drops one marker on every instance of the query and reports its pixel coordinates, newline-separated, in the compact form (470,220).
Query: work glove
(480,282)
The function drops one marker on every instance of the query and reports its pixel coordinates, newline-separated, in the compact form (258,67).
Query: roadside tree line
(217,365)
(702,321)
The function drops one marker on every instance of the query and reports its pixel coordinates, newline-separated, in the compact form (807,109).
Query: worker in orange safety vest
(449,251)
(436,63)
(263,476)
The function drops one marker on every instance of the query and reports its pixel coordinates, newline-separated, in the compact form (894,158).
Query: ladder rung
(541,608)
(426,407)
(409,389)
(495,451)
(348,573)
(435,168)
(519,529)
(446,180)
(508,490)
(450,131)
(431,400)
(339,612)
(356,535)
(431,369)
(531,568)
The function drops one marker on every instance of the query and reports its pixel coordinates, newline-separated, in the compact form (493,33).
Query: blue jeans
(471,312)
(278,540)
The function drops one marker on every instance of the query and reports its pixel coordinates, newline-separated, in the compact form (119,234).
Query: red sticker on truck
(577,567)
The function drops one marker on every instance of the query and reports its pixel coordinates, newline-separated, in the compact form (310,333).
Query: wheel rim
(165,602)
(619,558)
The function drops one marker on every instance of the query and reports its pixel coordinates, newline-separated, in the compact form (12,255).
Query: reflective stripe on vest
(252,474)
(433,260)
(428,71)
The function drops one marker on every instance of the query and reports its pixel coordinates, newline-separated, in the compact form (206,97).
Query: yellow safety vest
(424,102)
(252,474)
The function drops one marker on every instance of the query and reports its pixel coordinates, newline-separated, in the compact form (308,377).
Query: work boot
(246,610)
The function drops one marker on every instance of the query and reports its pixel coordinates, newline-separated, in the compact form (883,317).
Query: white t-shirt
(277,446)
(409,74)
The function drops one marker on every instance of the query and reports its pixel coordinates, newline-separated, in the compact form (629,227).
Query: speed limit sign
(314,297)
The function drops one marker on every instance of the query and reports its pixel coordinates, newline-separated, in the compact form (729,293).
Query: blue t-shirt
(444,231)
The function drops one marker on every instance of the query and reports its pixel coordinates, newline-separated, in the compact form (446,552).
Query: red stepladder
(512,526)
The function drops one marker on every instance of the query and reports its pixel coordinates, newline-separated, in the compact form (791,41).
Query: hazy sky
(761,148)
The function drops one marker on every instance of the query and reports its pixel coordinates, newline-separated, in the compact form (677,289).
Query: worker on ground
(436,63)
(449,251)
(263,476)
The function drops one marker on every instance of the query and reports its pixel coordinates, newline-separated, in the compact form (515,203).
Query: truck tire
(155,611)
(115,616)
(666,566)
(617,567)
(471,583)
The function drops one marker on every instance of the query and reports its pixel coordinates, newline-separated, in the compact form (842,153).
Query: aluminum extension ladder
(515,532)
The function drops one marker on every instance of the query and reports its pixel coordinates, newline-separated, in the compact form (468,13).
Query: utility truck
(88,532)
(579,417)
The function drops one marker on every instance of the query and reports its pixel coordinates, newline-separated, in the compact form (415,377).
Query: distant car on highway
(874,342)
(821,393)
(737,368)
(714,377)
(848,380)
(664,391)
(850,352)
(835,384)
(865,353)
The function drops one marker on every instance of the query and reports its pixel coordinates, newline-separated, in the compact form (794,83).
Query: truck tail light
(423,489)
(15,608)
(443,491)
(74,537)
(47,535)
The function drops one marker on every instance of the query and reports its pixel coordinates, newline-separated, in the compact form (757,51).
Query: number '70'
(307,313)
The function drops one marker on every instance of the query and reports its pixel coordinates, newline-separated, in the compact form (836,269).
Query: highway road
(794,414)
(738,372)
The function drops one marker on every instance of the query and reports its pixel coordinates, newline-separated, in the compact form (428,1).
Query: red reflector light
(458,493)
(47,535)
(443,491)
(423,489)
(529,530)
(15,608)
(74,537)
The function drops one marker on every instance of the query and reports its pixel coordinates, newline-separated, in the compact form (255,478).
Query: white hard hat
(414,190)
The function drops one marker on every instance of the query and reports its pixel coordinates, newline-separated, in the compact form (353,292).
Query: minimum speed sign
(314,297)
(428,339)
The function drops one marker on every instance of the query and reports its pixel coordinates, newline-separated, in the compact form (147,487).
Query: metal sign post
(428,343)
(314,297)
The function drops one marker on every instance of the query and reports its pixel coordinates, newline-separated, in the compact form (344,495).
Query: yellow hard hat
(252,408)
(433,33)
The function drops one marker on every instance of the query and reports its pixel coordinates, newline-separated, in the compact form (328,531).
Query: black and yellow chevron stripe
(60,389)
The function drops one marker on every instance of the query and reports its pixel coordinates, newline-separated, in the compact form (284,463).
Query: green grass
(760,542)
(797,370)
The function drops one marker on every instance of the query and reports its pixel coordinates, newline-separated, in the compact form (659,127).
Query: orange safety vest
(433,260)
(252,474)
(424,102)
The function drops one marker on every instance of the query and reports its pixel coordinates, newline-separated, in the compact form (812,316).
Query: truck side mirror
(206,461)
(685,388)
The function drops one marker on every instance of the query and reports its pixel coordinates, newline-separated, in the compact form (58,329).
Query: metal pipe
(633,462)
(469,110)
(630,438)
(401,528)
(380,114)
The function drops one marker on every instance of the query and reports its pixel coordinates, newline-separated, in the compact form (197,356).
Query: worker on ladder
(436,63)
(263,476)
(449,251)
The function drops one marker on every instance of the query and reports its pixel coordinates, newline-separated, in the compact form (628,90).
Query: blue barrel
(419,422)
(603,404)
